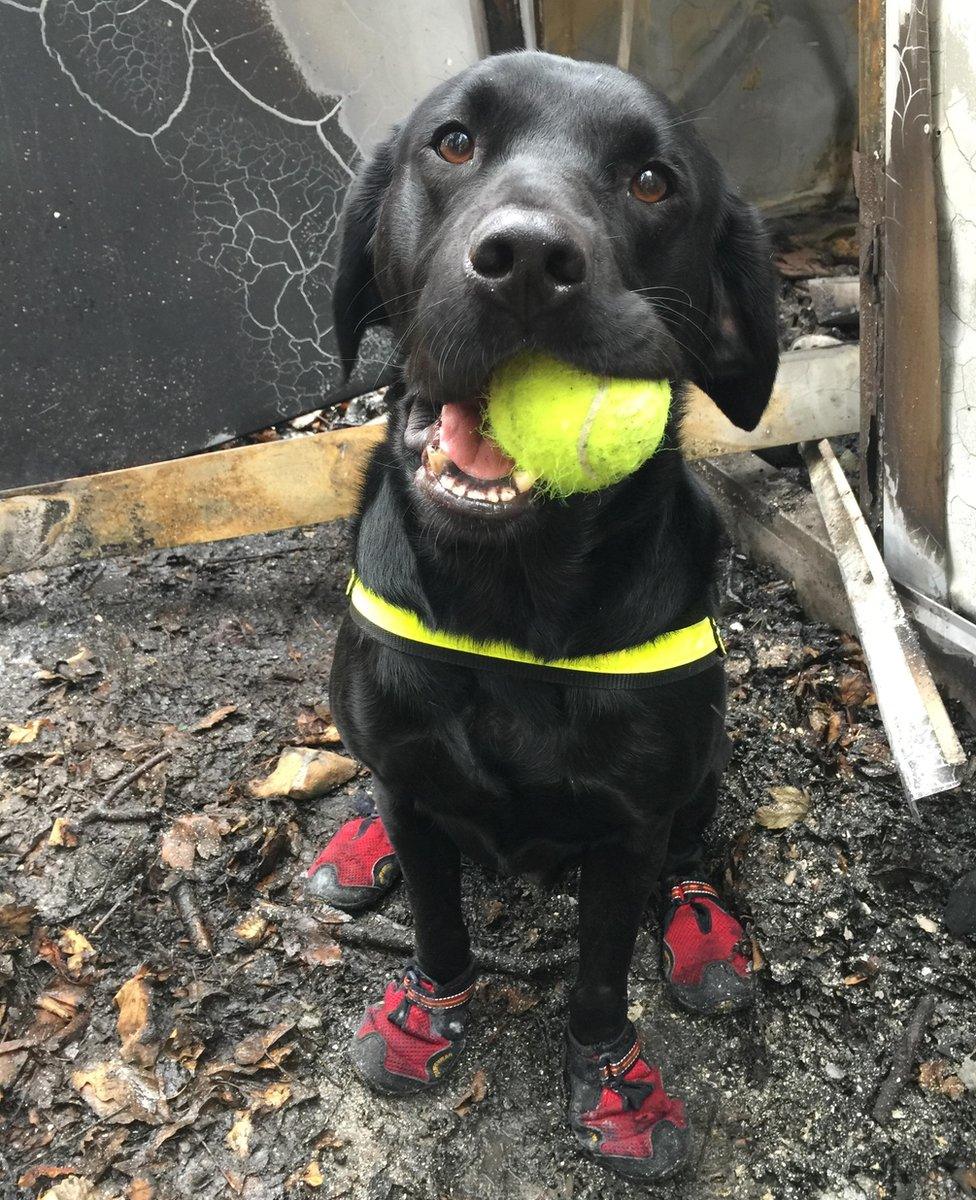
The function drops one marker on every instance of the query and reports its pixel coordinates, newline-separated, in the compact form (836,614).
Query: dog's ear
(356,302)
(740,365)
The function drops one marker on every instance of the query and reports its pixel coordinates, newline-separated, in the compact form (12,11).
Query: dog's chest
(510,764)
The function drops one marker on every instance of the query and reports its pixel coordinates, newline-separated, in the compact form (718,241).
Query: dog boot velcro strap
(706,964)
(357,868)
(620,1111)
(412,1039)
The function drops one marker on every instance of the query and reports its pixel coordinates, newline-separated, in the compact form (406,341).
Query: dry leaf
(854,690)
(141,1189)
(311,1176)
(184,1047)
(77,950)
(215,718)
(239,1135)
(926,923)
(134,1001)
(938,1076)
(62,834)
(515,1000)
(15,919)
(254,1048)
(33,1175)
(74,1187)
(120,1093)
(253,928)
(966,1176)
(20,735)
(790,804)
(473,1094)
(303,774)
(189,836)
(271,1097)
(62,1000)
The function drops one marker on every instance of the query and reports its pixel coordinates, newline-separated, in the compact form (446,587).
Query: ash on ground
(173,1012)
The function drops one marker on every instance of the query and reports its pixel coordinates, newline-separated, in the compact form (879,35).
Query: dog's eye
(455,146)
(650,185)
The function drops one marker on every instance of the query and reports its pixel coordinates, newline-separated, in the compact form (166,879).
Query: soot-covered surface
(232,1079)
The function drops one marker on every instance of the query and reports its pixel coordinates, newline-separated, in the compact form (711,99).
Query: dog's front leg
(412,1039)
(617,1104)
(431,865)
(616,882)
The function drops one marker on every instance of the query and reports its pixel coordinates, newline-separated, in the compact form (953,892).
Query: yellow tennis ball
(574,431)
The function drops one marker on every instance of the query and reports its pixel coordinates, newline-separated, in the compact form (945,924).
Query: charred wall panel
(170,184)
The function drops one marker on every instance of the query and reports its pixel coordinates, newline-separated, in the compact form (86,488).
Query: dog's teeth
(492,495)
(524,480)
(437,460)
(446,481)
(459,488)
(507,494)
(475,494)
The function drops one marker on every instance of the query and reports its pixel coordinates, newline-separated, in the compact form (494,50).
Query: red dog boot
(621,1113)
(357,868)
(412,1039)
(706,966)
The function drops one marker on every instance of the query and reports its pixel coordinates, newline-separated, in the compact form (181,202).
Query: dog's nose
(527,260)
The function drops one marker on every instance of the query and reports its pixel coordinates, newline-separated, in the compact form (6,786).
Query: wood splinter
(189,910)
(902,1061)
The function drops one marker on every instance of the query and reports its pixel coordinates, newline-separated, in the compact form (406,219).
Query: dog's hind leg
(707,959)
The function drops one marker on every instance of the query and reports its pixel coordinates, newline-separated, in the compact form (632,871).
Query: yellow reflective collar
(680,652)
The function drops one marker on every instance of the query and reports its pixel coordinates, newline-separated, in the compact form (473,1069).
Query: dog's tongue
(462,442)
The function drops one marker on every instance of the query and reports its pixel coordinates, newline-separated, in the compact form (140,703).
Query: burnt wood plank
(913,466)
(869,180)
(316,478)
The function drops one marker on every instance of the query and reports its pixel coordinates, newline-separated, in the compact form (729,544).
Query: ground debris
(246,1023)
(790,804)
(121,1093)
(304,774)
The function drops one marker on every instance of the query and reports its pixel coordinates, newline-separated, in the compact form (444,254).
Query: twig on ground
(189,910)
(118,814)
(380,933)
(101,920)
(105,812)
(902,1061)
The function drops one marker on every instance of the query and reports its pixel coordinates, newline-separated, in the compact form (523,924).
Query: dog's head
(535,202)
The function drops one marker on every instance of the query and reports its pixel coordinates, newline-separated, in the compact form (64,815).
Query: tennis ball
(574,431)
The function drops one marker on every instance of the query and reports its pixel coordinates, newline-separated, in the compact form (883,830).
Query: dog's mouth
(461,468)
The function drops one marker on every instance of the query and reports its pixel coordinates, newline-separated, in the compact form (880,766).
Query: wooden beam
(815,396)
(912,446)
(316,478)
(206,498)
(777,522)
(869,182)
(923,743)
(503,22)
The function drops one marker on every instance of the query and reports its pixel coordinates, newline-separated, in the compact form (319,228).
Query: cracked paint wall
(171,175)
(953,35)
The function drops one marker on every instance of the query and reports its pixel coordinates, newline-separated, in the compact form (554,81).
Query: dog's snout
(528,260)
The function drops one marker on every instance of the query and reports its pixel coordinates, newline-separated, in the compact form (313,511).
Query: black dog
(533,202)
